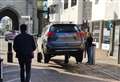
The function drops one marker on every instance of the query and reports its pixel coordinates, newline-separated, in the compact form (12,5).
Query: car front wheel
(47,58)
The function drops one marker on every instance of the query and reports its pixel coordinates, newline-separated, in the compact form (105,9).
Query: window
(61,28)
(65,4)
(96,1)
(73,2)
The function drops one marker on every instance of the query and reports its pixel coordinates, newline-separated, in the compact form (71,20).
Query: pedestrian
(89,41)
(24,45)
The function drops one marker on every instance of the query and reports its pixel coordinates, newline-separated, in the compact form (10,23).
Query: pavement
(105,69)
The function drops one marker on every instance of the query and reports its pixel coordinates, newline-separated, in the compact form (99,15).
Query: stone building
(20,11)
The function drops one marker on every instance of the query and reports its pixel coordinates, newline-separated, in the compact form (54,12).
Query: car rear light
(80,34)
(50,34)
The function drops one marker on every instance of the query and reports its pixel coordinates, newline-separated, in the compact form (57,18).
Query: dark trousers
(25,69)
(89,54)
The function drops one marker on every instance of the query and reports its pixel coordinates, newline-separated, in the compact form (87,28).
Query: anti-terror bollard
(1,71)
(93,54)
(10,53)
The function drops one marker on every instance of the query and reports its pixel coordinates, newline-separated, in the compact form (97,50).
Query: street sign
(45,8)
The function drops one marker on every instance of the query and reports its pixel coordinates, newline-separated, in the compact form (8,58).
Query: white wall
(98,10)
(106,10)
(73,14)
(70,14)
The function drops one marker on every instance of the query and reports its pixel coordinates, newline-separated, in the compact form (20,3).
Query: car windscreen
(61,28)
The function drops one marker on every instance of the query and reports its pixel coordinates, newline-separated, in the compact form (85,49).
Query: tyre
(79,56)
(39,57)
(47,58)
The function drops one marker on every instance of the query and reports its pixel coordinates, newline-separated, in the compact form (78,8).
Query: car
(60,39)
(10,35)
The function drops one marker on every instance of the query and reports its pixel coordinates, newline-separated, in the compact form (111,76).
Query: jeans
(90,55)
(25,67)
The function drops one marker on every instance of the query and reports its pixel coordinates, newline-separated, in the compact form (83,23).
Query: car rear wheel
(47,58)
(79,57)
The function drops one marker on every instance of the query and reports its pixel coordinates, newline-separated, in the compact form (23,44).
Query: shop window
(96,32)
(65,4)
(73,2)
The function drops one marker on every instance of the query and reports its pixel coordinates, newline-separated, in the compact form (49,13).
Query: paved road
(59,72)
(56,71)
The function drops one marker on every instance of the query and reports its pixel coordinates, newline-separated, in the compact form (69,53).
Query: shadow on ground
(50,75)
(100,70)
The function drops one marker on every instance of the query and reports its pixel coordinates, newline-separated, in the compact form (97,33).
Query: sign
(45,8)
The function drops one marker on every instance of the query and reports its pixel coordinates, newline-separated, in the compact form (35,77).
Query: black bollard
(1,72)
(10,53)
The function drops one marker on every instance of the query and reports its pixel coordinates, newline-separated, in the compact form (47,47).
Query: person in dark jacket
(89,41)
(24,45)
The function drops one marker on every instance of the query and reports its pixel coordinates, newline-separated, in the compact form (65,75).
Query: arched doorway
(13,15)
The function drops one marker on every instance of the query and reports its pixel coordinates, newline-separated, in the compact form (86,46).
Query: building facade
(20,11)
(66,11)
(105,25)
(103,17)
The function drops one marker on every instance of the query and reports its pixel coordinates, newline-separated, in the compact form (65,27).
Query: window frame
(73,2)
(65,4)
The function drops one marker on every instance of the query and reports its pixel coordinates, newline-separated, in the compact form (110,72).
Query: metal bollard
(119,53)
(93,53)
(10,53)
(1,70)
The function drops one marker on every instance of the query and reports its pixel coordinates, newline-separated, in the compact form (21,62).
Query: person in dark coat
(89,41)
(24,45)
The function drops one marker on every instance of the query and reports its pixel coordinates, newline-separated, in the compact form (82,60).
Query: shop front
(106,36)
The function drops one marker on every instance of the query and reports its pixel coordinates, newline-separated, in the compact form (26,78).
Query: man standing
(24,45)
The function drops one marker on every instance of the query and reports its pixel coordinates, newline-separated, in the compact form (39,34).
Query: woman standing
(89,41)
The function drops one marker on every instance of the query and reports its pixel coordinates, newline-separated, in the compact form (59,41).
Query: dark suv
(60,39)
